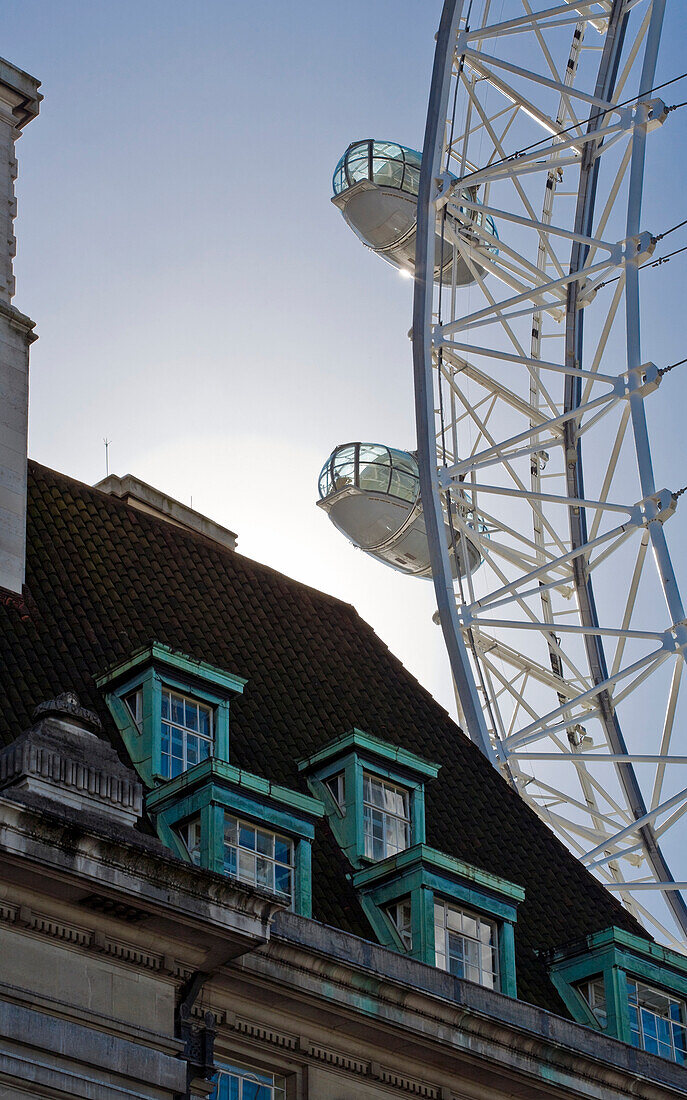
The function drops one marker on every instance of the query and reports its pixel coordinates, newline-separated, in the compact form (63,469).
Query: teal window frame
(150,669)
(354,754)
(424,874)
(214,787)
(615,955)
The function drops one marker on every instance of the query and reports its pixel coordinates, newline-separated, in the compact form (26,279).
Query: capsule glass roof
(371,467)
(381,162)
(390,165)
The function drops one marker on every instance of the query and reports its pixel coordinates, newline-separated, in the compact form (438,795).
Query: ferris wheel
(537,514)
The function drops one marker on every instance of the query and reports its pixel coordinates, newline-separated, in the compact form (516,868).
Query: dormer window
(594,992)
(445,913)
(186,732)
(466,944)
(632,988)
(337,789)
(400,915)
(234,823)
(190,835)
(259,857)
(374,793)
(658,1021)
(172,710)
(386,817)
(134,701)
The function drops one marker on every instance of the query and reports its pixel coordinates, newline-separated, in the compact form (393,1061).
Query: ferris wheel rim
(431,488)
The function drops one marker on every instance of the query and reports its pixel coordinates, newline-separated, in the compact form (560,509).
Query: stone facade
(128,972)
(19,102)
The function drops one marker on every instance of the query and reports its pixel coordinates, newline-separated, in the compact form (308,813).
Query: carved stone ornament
(67,705)
(62,759)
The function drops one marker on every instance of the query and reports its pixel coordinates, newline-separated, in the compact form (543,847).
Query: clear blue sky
(198,299)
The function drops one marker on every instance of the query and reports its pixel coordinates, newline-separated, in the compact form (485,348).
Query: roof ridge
(193,535)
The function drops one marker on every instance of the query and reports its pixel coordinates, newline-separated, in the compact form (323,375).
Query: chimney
(19,102)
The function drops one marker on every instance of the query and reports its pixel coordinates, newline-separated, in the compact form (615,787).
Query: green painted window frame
(614,955)
(149,670)
(212,787)
(424,874)
(354,754)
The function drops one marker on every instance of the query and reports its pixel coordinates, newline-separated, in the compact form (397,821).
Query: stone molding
(67,706)
(543,1048)
(37,1048)
(61,758)
(363,1068)
(127,870)
(53,768)
(28,920)
(146,498)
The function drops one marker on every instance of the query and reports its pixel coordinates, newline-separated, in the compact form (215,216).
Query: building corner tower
(19,103)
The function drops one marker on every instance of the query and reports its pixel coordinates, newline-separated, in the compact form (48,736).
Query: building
(246,855)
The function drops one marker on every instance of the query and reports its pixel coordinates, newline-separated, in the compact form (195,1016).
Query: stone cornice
(54,768)
(138,872)
(61,758)
(19,321)
(23,91)
(434,1007)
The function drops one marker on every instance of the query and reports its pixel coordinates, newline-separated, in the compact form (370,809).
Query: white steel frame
(570,81)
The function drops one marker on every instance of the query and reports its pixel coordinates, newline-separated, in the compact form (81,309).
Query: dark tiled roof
(104,579)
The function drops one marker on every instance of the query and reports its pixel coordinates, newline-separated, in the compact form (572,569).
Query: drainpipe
(199,1039)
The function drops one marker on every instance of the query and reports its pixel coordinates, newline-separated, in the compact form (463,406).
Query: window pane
(471,944)
(454,919)
(191,710)
(251,854)
(282,880)
(485,932)
(265,843)
(376,795)
(282,849)
(177,709)
(204,720)
(265,873)
(469,926)
(404,486)
(246,866)
(456,966)
(165,704)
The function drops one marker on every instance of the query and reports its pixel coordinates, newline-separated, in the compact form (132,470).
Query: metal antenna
(107,456)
